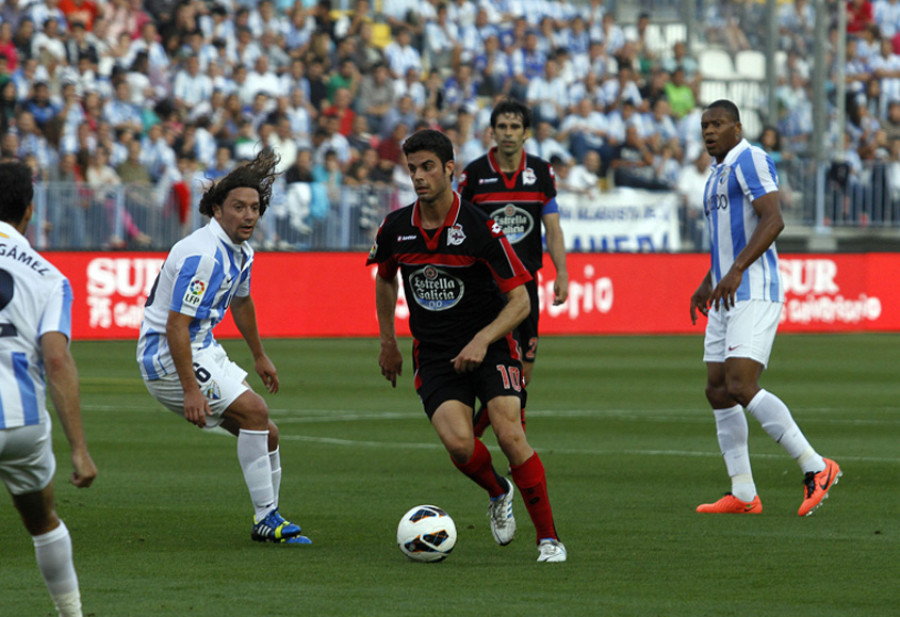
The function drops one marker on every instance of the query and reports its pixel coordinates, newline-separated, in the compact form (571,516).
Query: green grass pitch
(629,444)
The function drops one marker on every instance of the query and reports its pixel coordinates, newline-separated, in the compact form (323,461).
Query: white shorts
(27,463)
(220,379)
(747,330)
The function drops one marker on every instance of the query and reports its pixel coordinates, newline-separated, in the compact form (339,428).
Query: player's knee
(273,436)
(717,395)
(460,450)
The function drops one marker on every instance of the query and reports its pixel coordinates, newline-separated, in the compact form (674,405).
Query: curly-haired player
(184,367)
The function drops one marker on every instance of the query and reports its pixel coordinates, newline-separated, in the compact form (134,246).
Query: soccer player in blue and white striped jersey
(183,365)
(35,328)
(742,296)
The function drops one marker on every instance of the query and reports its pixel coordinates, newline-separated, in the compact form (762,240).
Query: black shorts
(436,382)
(527,331)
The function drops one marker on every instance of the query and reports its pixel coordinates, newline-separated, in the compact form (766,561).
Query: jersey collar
(237,249)
(732,155)
(510,182)
(431,241)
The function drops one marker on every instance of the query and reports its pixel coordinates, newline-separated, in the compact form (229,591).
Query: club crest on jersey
(435,290)
(528,176)
(724,173)
(516,222)
(194,293)
(373,251)
(455,235)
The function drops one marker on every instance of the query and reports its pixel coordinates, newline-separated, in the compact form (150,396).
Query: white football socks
(732,432)
(53,551)
(253,455)
(275,464)
(776,420)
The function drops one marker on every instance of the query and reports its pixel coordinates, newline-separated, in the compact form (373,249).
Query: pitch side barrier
(316,294)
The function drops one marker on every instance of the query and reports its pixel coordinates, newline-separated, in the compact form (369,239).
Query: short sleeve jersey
(453,277)
(35,298)
(746,174)
(516,202)
(201,275)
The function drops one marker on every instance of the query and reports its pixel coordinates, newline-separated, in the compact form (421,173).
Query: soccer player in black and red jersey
(518,190)
(465,290)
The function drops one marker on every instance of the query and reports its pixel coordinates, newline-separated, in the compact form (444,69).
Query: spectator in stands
(41,106)
(401,55)
(191,87)
(492,68)
(634,164)
(544,143)
(528,63)
(690,186)
(681,58)
(442,41)
(796,25)
(680,93)
(341,108)
(860,15)
(48,44)
(584,130)
(460,89)
(347,77)
(547,95)
(885,67)
(23,36)
(891,123)
(376,95)
(620,88)
(9,105)
(318,88)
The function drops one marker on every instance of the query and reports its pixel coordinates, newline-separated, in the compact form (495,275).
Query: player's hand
(196,407)
(391,362)
(267,372)
(726,291)
(560,288)
(84,469)
(471,356)
(700,300)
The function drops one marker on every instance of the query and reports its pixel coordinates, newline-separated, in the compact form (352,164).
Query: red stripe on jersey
(509,181)
(438,259)
(520,273)
(510,196)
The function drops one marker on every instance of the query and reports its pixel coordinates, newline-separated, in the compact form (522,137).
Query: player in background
(518,190)
(35,329)
(742,297)
(182,364)
(466,294)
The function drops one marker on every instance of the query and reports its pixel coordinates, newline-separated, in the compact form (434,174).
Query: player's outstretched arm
(62,381)
(244,312)
(389,357)
(517,308)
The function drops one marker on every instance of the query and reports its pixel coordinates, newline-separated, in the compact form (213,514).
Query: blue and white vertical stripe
(746,174)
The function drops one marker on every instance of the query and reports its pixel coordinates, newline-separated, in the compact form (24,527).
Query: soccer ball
(426,533)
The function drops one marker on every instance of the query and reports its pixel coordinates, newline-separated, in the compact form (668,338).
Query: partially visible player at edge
(518,190)
(35,329)
(742,296)
(466,294)
(183,365)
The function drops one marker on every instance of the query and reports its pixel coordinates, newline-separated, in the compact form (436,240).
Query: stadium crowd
(167,94)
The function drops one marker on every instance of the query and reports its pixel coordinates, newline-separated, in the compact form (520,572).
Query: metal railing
(304,217)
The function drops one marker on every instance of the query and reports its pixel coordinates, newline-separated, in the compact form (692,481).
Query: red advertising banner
(332,294)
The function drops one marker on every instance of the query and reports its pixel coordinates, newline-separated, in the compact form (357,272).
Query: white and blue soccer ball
(426,533)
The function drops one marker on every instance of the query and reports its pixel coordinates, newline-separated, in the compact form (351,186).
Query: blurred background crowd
(125,108)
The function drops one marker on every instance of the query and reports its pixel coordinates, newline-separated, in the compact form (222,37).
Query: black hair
(432,141)
(18,191)
(513,107)
(258,174)
(729,107)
